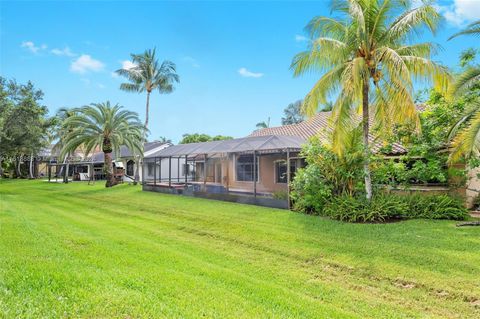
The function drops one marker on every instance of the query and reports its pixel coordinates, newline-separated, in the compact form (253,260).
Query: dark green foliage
(435,207)
(309,192)
(358,209)
(385,207)
(327,174)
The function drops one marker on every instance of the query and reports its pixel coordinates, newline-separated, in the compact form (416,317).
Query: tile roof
(319,125)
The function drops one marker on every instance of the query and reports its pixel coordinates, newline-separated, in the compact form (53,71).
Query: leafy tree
(105,126)
(293,113)
(198,138)
(148,75)
(24,123)
(369,58)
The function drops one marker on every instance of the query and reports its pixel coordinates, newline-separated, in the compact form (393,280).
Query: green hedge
(385,207)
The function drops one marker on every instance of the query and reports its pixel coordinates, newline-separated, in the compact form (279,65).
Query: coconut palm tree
(466,132)
(368,58)
(105,126)
(147,75)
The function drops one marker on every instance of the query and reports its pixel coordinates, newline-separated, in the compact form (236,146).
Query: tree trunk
(67,169)
(366,148)
(1,168)
(147,110)
(108,167)
(30,167)
(17,167)
(136,176)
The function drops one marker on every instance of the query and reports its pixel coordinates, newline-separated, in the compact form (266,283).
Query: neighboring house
(91,167)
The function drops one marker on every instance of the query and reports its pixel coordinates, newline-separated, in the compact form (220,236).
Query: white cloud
(248,74)
(114,75)
(101,86)
(86,63)
(29,45)
(192,61)
(461,12)
(63,52)
(127,65)
(300,38)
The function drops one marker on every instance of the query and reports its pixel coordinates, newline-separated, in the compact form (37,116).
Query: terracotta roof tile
(319,125)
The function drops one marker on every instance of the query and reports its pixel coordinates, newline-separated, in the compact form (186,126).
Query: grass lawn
(85,251)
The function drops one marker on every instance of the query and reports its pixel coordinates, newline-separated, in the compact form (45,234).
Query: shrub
(309,191)
(436,207)
(384,207)
(381,208)
(329,173)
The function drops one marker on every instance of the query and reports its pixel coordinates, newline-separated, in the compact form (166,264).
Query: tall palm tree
(105,126)
(148,75)
(466,132)
(369,59)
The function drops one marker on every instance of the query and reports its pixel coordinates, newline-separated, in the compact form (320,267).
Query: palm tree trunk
(67,169)
(136,176)
(147,110)
(30,167)
(108,167)
(366,148)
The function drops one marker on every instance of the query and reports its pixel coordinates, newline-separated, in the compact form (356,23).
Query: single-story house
(255,169)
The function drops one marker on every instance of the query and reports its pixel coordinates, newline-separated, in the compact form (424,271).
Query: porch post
(205,173)
(227,173)
(186,170)
(155,171)
(170,171)
(288,179)
(144,163)
(178,169)
(254,173)
(160,171)
(49,171)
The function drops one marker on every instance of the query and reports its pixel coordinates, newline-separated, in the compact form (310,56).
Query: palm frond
(472,29)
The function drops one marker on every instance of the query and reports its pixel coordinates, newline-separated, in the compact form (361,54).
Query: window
(244,168)
(281,171)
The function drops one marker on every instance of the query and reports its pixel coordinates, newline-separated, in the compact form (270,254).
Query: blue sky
(233,57)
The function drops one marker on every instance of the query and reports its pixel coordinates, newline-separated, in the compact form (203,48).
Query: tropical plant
(263,124)
(369,60)
(147,75)
(465,133)
(60,133)
(329,173)
(101,125)
(293,113)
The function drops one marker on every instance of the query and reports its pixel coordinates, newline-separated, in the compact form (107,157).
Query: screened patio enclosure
(255,170)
